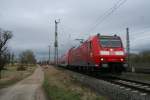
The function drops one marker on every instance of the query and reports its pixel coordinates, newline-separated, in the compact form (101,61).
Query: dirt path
(27,89)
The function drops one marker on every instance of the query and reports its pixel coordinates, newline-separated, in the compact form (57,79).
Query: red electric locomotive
(100,53)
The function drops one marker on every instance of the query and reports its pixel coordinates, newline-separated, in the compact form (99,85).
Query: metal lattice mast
(128,47)
(56,42)
(49,58)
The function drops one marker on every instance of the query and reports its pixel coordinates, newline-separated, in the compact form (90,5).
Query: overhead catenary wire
(67,32)
(147,29)
(101,18)
(136,35)
(110,11)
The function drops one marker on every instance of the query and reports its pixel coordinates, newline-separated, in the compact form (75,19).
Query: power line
(100,17)
(110,11)
(107,13)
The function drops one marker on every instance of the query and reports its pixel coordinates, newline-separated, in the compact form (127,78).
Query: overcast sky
(32,22)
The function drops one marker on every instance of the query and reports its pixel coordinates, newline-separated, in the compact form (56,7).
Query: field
(11,75)
(62,86)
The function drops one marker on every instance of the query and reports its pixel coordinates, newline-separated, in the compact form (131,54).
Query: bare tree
(25,58)
(4,53)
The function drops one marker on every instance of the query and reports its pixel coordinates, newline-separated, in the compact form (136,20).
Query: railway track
(115,87)
(131,85)
(135,86)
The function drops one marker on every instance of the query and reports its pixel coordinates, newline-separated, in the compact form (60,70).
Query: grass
(11,75)
(61,86)
(58,93)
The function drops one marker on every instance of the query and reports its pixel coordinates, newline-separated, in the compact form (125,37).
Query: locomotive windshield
(110,42)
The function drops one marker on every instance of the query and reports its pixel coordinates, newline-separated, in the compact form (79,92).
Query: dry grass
(11,75)
(59,85)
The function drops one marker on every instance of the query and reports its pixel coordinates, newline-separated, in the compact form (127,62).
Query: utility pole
(56,42)
(49,58)
(128,46)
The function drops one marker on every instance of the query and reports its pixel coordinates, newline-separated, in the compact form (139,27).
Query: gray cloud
(32,22)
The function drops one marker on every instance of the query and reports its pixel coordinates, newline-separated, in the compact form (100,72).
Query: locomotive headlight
(122,59)
(102,59)
(104,52)
(119,53)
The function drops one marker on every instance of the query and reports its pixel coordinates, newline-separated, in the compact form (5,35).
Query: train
(100,53)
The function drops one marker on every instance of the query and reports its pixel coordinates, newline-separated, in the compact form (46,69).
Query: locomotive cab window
(110,42)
